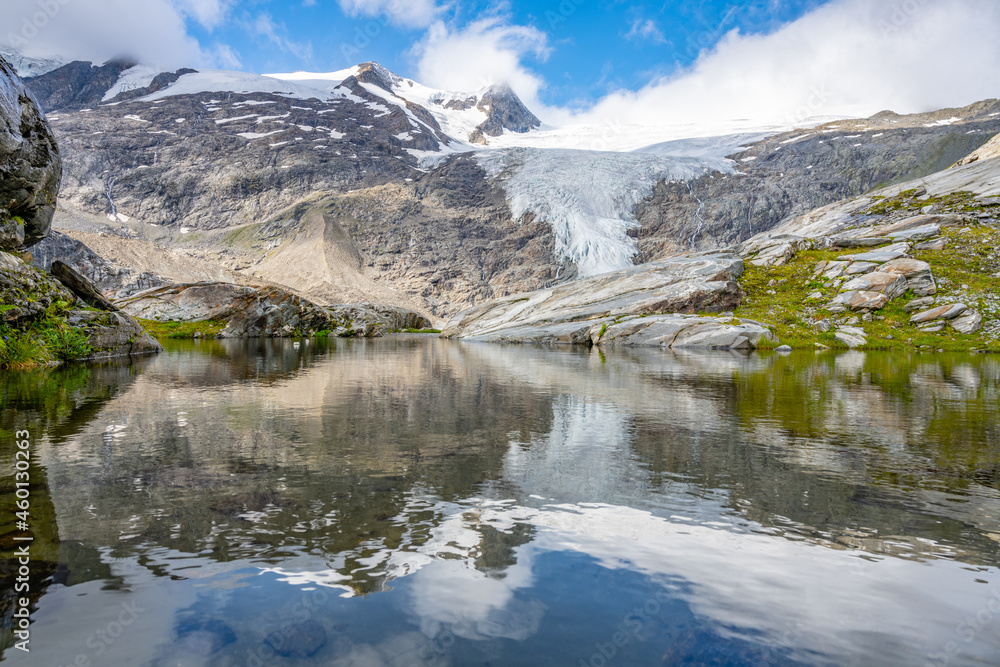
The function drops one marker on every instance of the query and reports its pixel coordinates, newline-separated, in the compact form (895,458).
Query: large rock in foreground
(30,166)
(268,312)
(689,284)
(31,294)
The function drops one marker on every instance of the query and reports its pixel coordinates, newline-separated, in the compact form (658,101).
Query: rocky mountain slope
(45,318)
(792,173)
(363,185)
(913,265)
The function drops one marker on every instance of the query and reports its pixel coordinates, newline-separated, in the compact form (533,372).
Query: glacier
(588,197)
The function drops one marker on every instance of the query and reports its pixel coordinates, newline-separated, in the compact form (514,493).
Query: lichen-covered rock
(919,277)
(851,340)
(26,292)
(892,285)
(859,300)
(30,166)
(968,323)
(113,334)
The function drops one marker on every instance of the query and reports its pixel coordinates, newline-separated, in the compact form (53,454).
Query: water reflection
(417,501)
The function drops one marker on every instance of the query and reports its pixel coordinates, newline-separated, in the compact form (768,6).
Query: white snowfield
(134,78)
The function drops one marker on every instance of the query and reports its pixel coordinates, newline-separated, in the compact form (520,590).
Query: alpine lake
(417,501)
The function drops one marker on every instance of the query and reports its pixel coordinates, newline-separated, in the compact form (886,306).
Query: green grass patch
(421,331)
(183,330)
(965,270)
(955,202)
(49,339)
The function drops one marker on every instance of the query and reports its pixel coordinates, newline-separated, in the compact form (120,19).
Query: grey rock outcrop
(30,166)
(504,111)
(252,312)
(686,284)
(793,174)
(113,335)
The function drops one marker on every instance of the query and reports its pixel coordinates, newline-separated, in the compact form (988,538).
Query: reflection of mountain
(464,482)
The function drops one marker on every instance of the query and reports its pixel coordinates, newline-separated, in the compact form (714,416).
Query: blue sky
(594,46)
(598,62)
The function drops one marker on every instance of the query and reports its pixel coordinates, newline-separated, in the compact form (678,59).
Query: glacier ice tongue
(589,196)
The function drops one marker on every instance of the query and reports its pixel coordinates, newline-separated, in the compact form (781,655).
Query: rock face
(688,284)
(682,331)
(30,171)
(30,166)
(264,311)
(794,173)
(113,335)
(504,111)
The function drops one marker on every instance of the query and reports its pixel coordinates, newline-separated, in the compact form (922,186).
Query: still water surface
(412,501)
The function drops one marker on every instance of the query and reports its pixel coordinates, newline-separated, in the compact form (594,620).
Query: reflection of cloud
(451,596)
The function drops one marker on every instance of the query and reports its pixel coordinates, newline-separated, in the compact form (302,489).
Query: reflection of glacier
(584,458)
(588,196)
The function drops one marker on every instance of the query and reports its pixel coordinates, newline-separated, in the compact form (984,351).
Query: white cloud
(227,57)
(849,57)
(646,30)
(153,31)
(209,13)
(485,52)
(265,26)
(409,13)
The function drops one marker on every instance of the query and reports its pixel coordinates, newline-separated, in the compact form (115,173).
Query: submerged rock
(204,636)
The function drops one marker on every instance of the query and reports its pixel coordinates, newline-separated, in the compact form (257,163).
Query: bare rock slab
(968,323)
(946,312)
(892,285)
(919,277)
(687,284)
